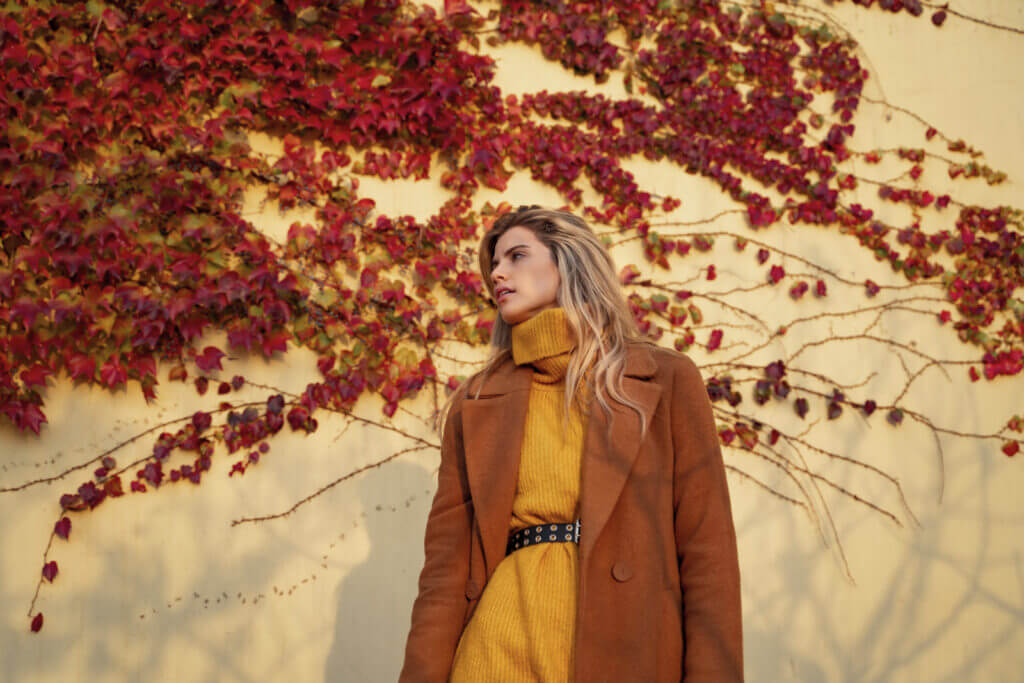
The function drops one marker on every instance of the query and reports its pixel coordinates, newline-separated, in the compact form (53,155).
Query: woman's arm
(705,537)
(439,611)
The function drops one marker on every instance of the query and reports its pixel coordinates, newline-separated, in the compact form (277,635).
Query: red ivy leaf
(296,417)
(90,495)
(201,421)
(148,389)
(456,7)
(113,373)
(324,364)
(36,375)
(63,528)
(81,367)
(50,571)
(153,472)
(801,407)
(834,410)
(69,501)
(31,417)
(628,274)
(276,341)
(210,359)
(37,622)
(112,487)
(368,278)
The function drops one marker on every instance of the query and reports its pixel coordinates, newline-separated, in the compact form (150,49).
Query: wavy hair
(594,303)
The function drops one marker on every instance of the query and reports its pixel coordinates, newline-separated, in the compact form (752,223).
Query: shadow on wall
(940,614)
(133,607)
(375,599)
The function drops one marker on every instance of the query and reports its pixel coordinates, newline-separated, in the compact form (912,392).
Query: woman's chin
(511,313)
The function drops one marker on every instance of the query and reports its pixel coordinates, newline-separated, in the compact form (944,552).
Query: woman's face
(523,263)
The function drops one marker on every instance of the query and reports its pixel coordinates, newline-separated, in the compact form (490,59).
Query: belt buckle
(576,532)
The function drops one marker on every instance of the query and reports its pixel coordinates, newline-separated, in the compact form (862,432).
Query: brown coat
(659,586)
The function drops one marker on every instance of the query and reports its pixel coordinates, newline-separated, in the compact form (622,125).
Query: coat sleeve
(705,537)
(439,610)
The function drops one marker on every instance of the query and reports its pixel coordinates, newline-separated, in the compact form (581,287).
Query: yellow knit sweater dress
(524,625)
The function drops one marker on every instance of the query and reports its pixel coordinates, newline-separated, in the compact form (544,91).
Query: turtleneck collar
(545,341)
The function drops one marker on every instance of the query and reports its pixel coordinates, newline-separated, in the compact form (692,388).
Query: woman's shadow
(375,599)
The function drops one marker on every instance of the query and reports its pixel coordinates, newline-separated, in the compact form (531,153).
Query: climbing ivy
(126,154)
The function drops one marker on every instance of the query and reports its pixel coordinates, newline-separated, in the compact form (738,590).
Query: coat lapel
(492,434)
(493,427)
(607,463)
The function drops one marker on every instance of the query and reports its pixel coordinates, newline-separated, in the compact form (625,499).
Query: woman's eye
(511,257)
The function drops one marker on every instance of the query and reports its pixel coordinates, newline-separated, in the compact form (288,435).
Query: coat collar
(511,377)
(493,426)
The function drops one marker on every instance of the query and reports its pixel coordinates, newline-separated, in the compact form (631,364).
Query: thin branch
(766,487)
(945,6)
(326,487)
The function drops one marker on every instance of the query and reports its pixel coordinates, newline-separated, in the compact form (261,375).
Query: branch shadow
(937,615)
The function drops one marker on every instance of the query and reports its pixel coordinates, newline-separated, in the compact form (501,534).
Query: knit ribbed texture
(524,625)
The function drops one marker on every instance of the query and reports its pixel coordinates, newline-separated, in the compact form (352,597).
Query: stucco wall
(162,587)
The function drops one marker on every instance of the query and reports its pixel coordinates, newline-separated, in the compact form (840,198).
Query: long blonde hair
(595,308)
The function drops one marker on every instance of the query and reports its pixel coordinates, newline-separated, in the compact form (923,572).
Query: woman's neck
(546,342)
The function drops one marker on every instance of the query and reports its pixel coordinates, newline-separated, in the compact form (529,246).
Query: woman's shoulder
(670,362)
(662,355)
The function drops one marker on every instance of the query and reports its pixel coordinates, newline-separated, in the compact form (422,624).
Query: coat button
(472,590)
(621,571)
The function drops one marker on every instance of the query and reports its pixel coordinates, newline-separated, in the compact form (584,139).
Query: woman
(575,417)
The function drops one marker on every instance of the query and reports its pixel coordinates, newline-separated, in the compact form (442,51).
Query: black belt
(544,533)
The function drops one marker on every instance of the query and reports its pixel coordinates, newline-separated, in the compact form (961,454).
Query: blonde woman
(581,529)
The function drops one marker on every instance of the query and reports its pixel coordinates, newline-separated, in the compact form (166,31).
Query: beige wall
(161,587)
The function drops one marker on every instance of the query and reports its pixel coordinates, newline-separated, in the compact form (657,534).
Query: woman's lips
(505,295)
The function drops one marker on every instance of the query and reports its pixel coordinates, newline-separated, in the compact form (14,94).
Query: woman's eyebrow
(514,246)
